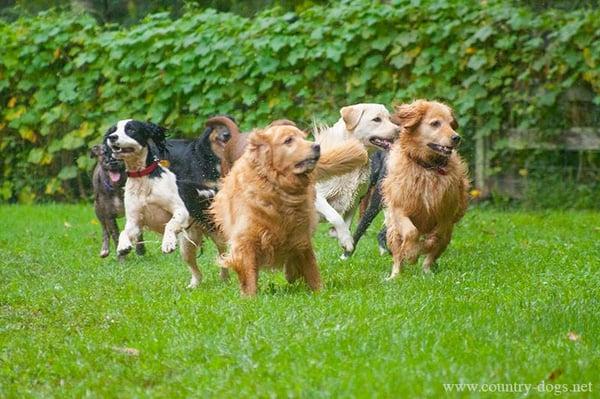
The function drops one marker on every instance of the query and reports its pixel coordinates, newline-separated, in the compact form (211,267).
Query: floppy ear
(96,151)
(454,123)
(409,116)
(157,134)
(351,116)
(259,145)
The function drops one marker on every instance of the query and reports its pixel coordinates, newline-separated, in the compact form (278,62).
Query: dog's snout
(455,139)
(316,148)
(113,137)
(226,136)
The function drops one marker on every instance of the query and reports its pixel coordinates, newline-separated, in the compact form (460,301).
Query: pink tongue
(114,176)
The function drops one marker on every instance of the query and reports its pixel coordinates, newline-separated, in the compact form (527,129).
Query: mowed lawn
(515,299)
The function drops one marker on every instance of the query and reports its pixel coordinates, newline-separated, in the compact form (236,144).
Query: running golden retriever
(425,191)
(266,206)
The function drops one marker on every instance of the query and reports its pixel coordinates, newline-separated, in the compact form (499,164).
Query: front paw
(104,253)
(169,244)
(140,249)
(346,242)
(392,276)
(121,252)
(124,245)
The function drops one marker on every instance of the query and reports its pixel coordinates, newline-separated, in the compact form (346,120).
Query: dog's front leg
(342,231)
(302,262)
(435,245)
(105,240)
(403,241)
(175,226)
(129,235)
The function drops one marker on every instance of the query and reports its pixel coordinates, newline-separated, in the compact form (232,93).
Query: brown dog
(235,147)
(266,206)
(425,191)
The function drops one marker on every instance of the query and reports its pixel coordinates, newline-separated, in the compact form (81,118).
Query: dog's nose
(113,137)
(226,136)
(455,139)
(316,148)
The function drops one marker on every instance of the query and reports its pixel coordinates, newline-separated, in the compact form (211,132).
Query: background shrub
(64,79)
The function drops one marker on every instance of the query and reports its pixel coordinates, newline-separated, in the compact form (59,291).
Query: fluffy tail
(226,121)
(345,157)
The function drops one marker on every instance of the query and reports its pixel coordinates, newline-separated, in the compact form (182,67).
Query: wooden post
(480,165)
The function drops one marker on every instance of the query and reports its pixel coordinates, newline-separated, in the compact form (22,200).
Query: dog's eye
(288,141)
(435,124)
(378,119)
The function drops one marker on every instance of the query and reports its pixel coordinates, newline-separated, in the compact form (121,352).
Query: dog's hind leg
(190,241)
(342,232)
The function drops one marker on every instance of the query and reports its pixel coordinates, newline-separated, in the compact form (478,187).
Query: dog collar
(439,168)
(144,172)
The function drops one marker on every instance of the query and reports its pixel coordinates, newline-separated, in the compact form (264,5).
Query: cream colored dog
(338,197)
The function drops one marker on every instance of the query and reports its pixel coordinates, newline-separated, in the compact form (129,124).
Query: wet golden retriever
(266,206)
(425,191)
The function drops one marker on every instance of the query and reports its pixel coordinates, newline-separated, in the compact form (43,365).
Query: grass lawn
(507,293)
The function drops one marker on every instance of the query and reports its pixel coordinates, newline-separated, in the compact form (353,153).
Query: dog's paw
(346,241)
(345,255)
(124,246)
(169,244)
(140,249)
(383,251)
(193,283)
(224,274)
(104,253)
(392,276)
(123,250)
(332,232)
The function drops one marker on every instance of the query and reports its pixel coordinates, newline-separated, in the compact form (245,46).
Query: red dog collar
(144,172)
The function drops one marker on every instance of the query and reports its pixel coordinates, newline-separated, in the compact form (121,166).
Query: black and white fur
(162,200)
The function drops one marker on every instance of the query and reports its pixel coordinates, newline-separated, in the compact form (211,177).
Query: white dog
(338,197)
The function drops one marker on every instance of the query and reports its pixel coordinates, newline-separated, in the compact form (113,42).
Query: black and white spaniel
(161,198)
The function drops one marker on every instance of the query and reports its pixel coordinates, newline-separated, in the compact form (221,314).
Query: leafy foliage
(64,79)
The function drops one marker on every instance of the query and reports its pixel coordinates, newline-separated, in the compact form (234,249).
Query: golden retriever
(425,191)
(266,206)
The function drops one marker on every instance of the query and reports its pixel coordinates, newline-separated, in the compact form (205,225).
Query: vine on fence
(64,79)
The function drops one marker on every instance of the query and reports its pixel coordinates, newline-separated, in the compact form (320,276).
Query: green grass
(507,292)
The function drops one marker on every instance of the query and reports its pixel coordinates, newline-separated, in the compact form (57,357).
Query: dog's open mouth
(442,149)
(382,143)
(121,150)
(114,176)
(307,164)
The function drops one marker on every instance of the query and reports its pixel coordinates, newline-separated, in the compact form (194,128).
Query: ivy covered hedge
(64,79)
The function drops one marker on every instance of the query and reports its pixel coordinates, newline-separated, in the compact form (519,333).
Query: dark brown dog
(108,181)
(235,147)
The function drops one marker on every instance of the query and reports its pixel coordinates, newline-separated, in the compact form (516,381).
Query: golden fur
(425,191)
(266,207)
